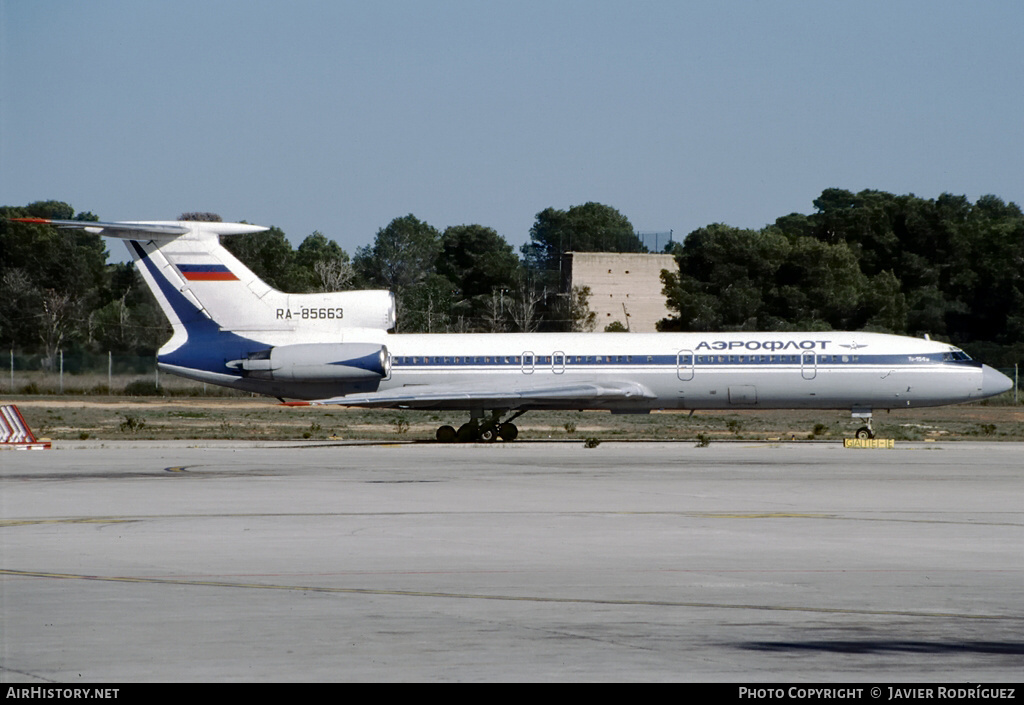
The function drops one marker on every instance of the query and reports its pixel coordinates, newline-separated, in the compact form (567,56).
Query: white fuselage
(704,371)
(821,370)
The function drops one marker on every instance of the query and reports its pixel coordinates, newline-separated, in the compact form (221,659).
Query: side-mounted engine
(317,363)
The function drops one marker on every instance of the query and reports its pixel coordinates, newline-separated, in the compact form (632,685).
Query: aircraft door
(558,362)
(808,365)
(684,365)
(529,360)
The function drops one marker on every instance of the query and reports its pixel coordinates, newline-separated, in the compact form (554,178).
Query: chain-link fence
(1014,374)
(98,374)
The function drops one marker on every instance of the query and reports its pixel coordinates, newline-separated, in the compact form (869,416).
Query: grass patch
(247,418)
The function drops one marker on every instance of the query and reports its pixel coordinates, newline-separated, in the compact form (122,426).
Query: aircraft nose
(994,382)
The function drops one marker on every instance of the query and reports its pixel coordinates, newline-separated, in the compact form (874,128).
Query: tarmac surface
(748,562)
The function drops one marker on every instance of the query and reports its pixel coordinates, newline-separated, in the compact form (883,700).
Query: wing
(491,395)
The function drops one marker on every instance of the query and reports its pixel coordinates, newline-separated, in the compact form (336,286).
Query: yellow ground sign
(869,443)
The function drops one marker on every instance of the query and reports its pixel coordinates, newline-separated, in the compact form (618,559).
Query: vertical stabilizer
(204,289)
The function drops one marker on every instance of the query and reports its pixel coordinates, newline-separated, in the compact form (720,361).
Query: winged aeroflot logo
(853,346)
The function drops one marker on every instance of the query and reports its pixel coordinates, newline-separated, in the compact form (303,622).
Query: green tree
(401,257)
(819,285)
(50,278)
(479,263)
(884,304)
(989,286)
(726,275)
(591,227)
(871,260)
(733,279)
(427,307)
(271,258)
(324,266)
(571,312)
(20,302)
(958,264)
(127,319)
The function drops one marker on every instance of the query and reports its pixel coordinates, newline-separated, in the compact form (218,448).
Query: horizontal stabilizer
(148,230)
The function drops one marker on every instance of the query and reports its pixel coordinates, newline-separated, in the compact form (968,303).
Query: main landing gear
(483,429)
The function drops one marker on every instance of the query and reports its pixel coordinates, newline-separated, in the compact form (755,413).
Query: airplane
(232,329)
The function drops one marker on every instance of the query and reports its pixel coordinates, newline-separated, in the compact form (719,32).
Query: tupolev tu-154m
(232,329)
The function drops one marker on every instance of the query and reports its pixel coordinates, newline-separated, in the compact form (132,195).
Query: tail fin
(202,287)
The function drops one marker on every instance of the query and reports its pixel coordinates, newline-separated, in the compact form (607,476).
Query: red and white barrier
(15,433)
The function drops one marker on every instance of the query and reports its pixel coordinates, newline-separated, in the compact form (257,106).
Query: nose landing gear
(864,432)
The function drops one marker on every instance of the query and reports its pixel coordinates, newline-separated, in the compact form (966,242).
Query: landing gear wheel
(446,434)
(864,432)
(487,427)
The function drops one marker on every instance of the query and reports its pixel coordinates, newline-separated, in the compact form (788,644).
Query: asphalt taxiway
(529,561)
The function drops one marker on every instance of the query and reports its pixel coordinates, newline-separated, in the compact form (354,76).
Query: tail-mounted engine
(317,362)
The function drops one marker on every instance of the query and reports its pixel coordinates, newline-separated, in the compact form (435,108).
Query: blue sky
(340,116)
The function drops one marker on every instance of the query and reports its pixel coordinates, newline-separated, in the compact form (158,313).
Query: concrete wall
(618,280)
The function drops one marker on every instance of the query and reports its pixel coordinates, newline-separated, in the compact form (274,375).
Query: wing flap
(512,396)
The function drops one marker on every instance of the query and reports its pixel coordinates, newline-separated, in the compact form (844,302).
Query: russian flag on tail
(206,273)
